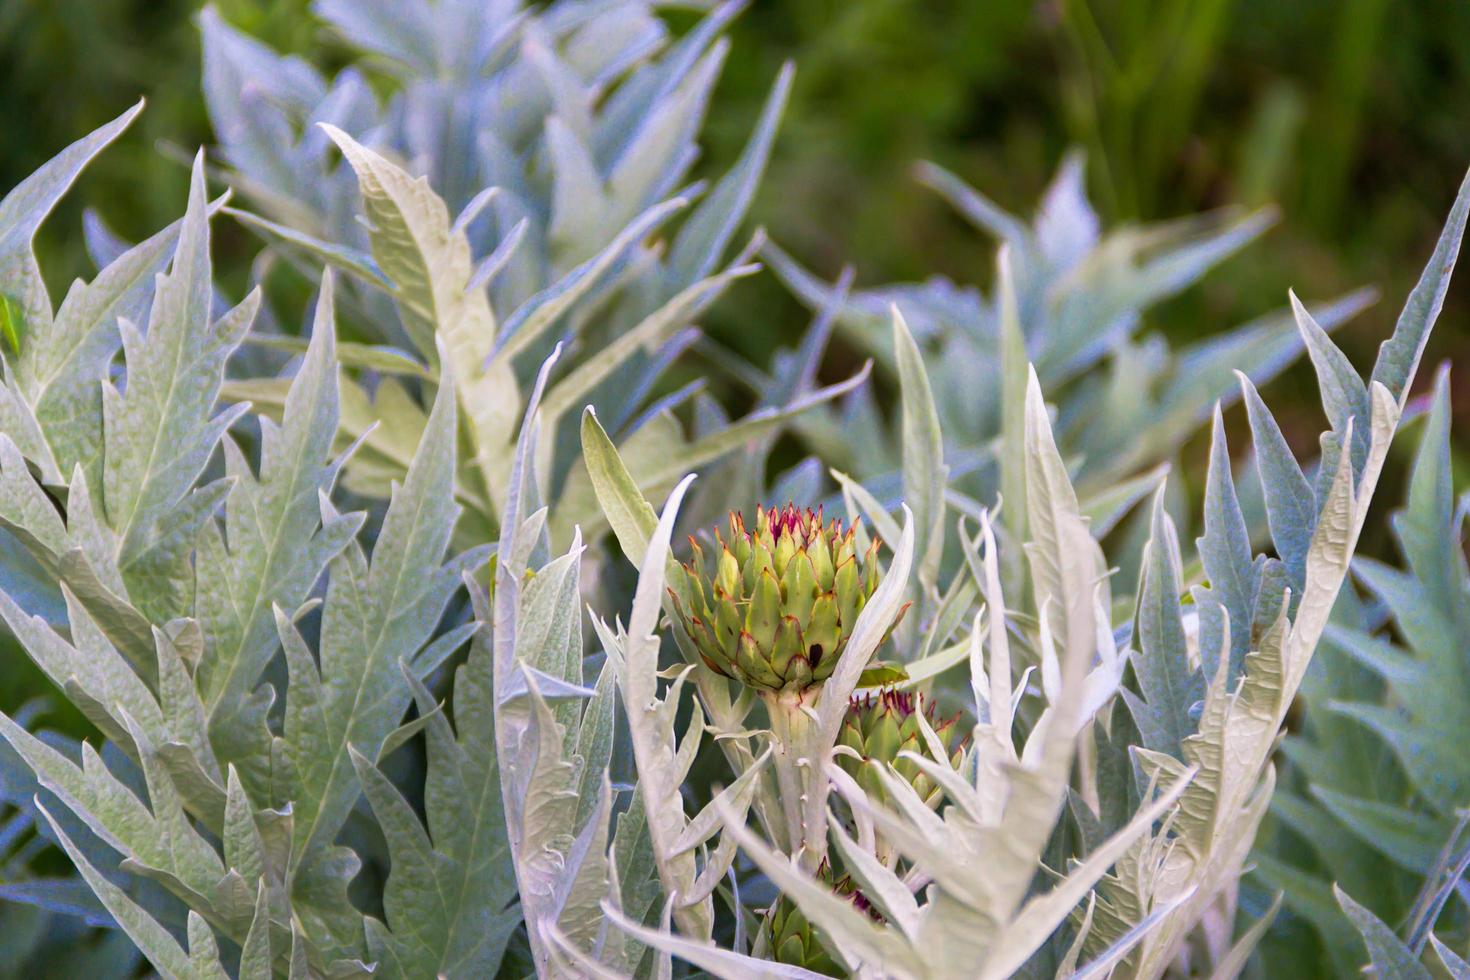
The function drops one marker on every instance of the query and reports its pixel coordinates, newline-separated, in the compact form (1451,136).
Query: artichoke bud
(793,940)
(775,604)
(879,726)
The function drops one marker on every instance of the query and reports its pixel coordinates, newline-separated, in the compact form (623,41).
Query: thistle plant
(777,615)
(351,722)
(979,855)
(883,733)
(1157,862)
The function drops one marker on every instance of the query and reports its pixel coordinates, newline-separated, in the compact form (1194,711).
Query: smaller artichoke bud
(793,940)
(877,727)
(775,606)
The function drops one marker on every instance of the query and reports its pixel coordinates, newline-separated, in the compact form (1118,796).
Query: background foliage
(1351,128)
(1348,126)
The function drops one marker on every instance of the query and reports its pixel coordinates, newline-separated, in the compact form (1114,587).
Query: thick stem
(793,730)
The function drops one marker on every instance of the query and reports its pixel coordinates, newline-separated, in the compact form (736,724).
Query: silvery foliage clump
(155,587)
(1126,399)
(1376,834)
(524,183)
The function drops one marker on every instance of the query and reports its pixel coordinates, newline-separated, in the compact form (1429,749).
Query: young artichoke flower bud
(777,605)
(793,940)
(877,727)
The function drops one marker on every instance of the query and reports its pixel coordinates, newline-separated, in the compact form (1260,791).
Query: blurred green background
(1347,114)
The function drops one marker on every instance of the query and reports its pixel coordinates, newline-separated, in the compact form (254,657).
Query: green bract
(780,604)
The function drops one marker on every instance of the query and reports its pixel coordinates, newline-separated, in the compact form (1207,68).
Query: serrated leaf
(925,475)
(159,434)
(1170,685)
(1291,507)
(275,544)
(1225,554)
(59,367)
(374,616)
(707,232)
(1390,958)
(1398,357)
(429,264)
(150,937)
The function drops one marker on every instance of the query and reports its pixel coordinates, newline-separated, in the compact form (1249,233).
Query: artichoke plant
(303,771)
(776,607)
